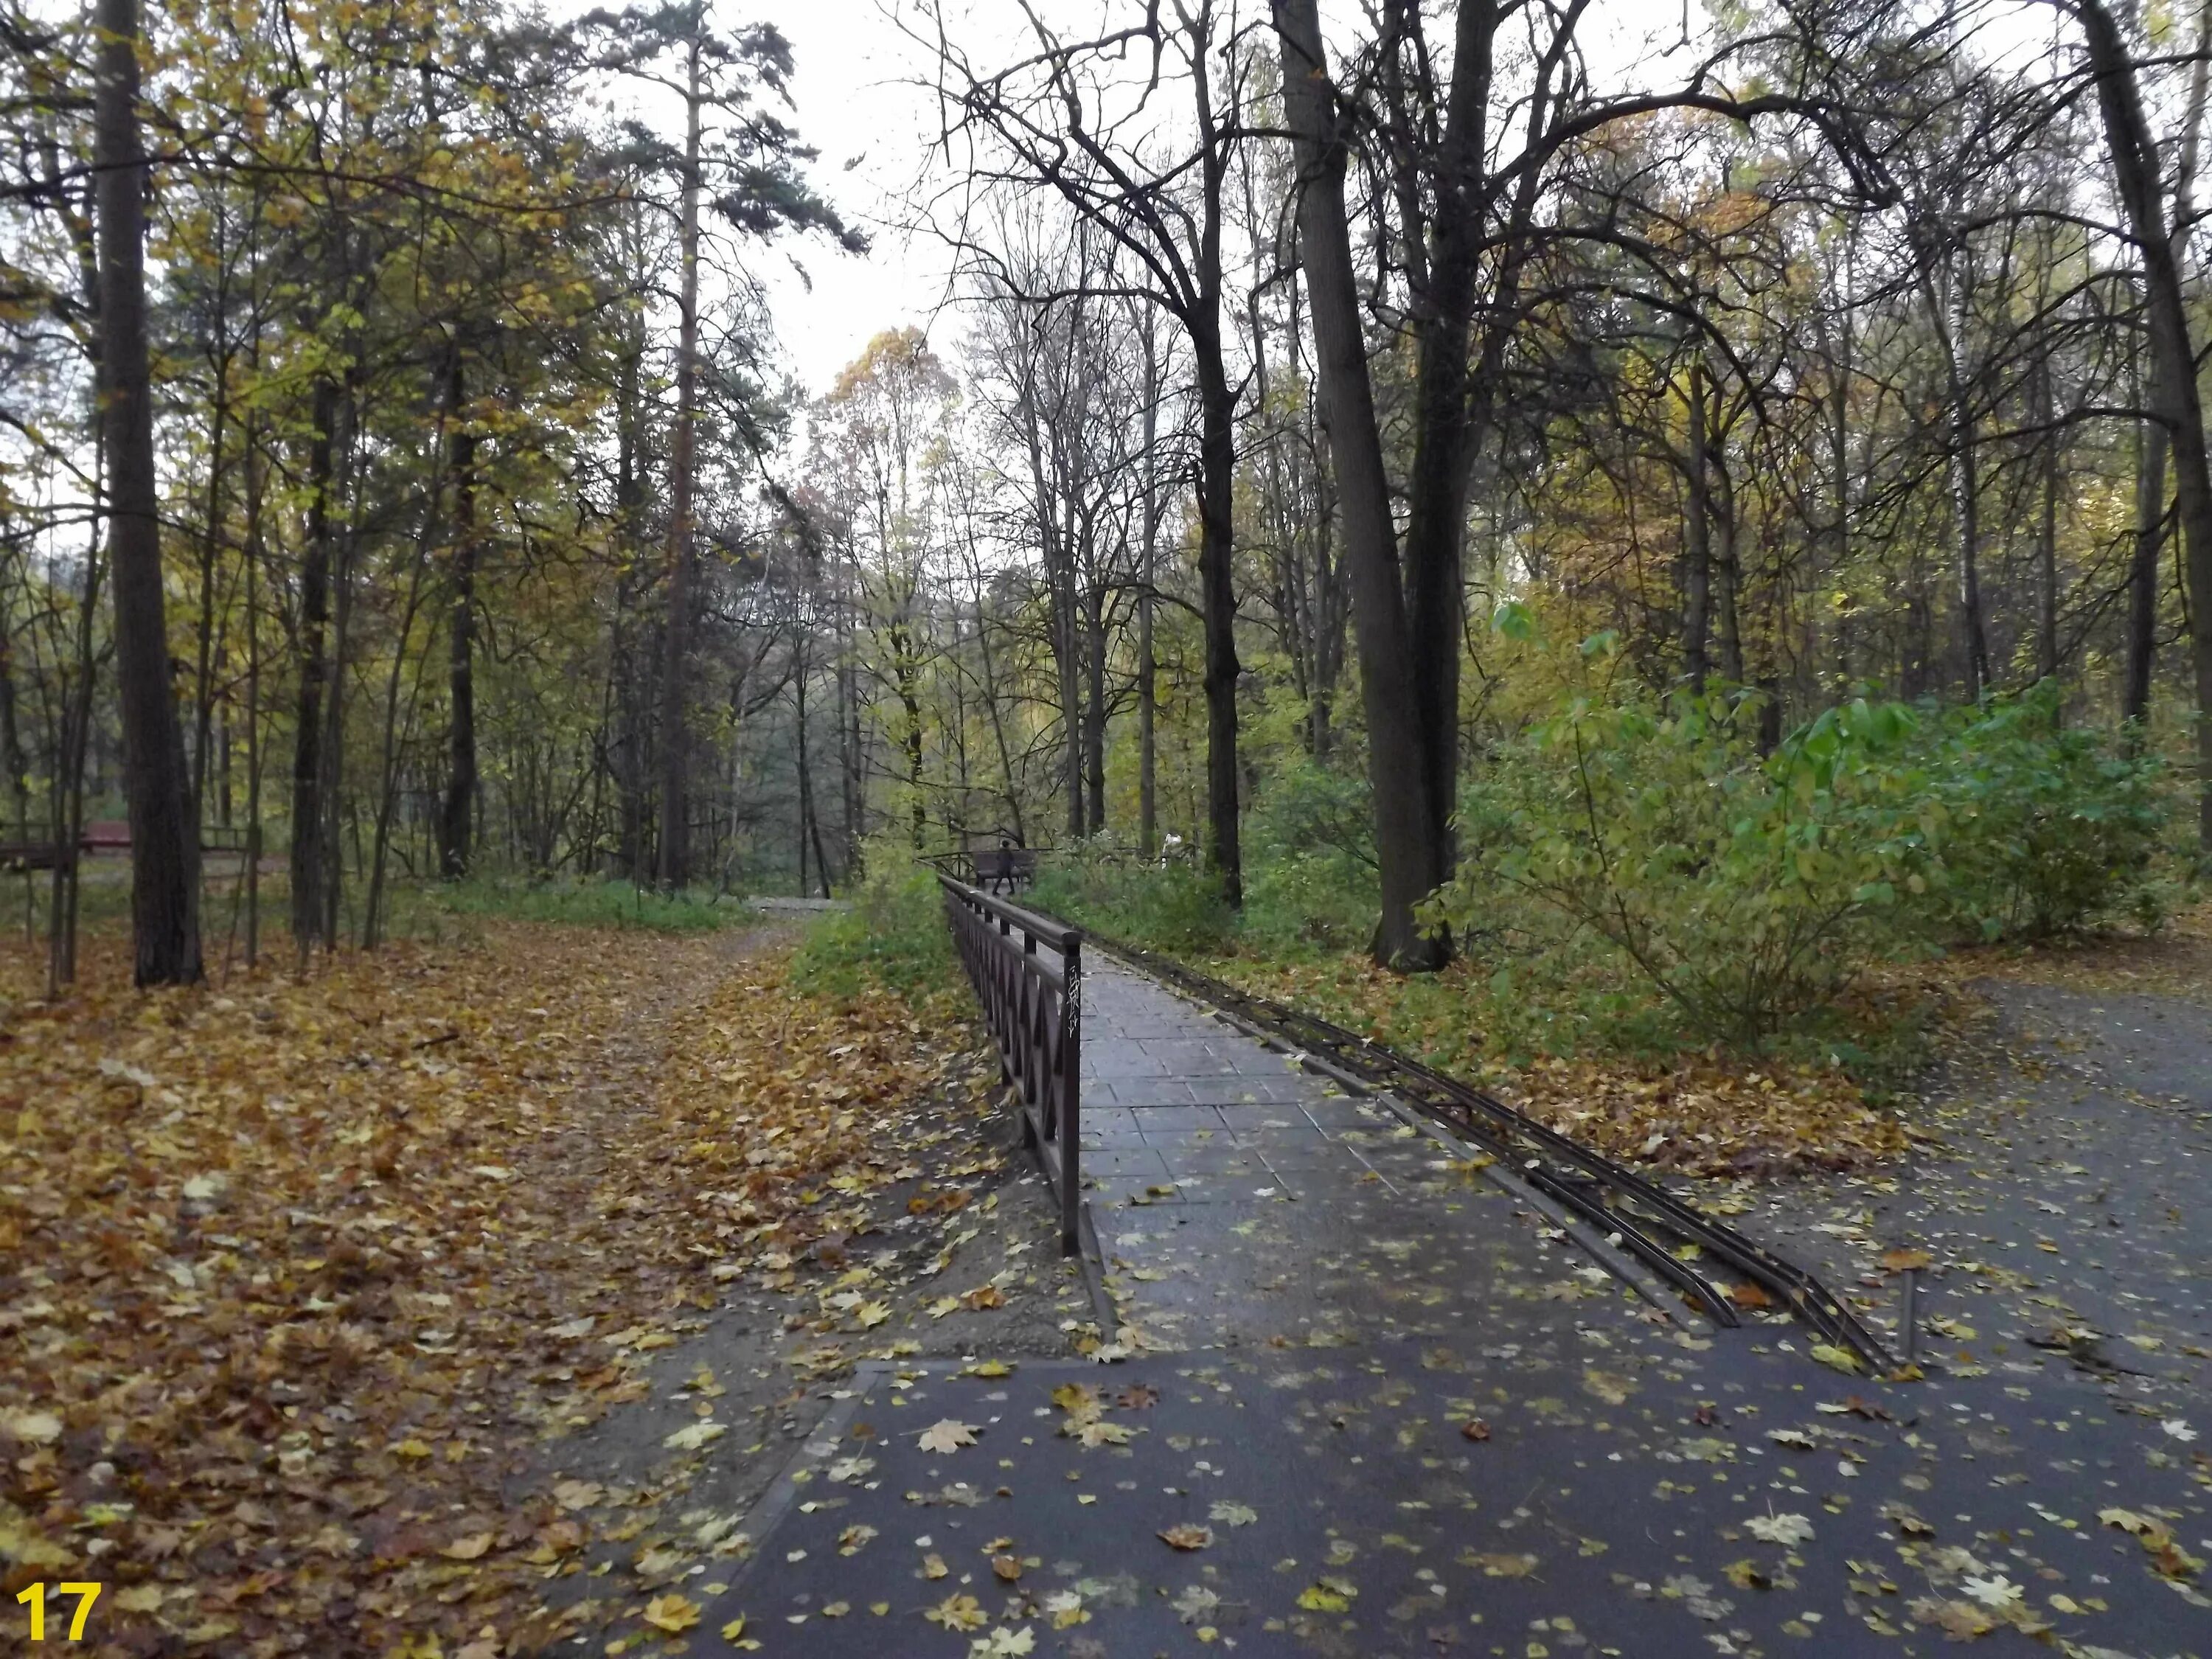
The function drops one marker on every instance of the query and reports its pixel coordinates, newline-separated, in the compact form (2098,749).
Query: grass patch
(611,904)
(893,938)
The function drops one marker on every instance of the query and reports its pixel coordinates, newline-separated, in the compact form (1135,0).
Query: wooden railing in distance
(1027,970)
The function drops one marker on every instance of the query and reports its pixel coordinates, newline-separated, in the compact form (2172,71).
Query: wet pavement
(1371,1401)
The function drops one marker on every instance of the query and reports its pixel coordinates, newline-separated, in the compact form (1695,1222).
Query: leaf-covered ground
(313,1287)
(1701,1114)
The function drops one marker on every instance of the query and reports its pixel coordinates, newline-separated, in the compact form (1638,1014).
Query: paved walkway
(1378,1405)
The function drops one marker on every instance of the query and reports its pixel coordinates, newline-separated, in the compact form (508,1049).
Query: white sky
(850,103)
(857,100)
(855,95)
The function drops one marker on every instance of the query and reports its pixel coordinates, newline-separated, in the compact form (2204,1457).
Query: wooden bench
(1004,869)
(103,835)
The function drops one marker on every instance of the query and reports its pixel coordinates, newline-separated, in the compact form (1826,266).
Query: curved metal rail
(1630,1207)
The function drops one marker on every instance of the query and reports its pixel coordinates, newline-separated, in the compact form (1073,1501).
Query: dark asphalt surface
(1400,1414)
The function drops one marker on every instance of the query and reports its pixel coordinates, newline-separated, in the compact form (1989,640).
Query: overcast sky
(858,102)
(856,97)
(852,107)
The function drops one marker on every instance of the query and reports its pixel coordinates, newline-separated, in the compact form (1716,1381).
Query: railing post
(1040,1048)
(1071,1088)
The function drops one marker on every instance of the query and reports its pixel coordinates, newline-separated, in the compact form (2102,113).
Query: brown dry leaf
(1187,1535)
(1961,1621)
(413,1185)
(957,1612)
(1701,1114)
(946,1434)
(1475,1429)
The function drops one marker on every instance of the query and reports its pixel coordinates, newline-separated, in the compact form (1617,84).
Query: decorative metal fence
(1028,974)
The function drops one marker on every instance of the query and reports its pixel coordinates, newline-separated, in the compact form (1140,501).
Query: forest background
(1682,524)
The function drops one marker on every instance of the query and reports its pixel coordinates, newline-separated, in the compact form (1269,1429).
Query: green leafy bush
(1743,892)
(1175,909)
(2049,829)
(580,904)
(1748,891)
(1309,868)
(893,936)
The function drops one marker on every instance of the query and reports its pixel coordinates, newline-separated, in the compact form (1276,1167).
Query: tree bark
(673,864)
(1409,854)
(2046,631)
(307,840)
(1217,464)
(1147,666)
(1697,542)
(455,816)
(2142,571)
(1094,707)
(2142,656)
(1966,472)
(165,852)
(2175,396)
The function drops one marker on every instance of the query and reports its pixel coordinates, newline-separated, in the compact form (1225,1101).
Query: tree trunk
(1094,711)
(2175,396)
(2046,631)
(165,853)
(1409,855)
(1217,463)
(1730,617)
(1697,542)
(453,818)
(1966,472)
(2143,571)
(255,483)
(307,841)
(2151,438)
(1148,666)
(672,867)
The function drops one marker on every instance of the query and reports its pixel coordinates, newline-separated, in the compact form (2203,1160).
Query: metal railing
(1027,970)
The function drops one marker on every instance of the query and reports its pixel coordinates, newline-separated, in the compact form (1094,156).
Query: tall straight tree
(1412,856)
(673,864)
(1470,138)
(1072,118)
(2176,399)
(165,854)
(747,169)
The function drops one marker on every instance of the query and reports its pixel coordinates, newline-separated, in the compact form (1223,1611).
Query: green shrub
(2049,829)
(1748,891)
(1309,868)
(1177,908)
(587,903)
(893,936)
(1745,894)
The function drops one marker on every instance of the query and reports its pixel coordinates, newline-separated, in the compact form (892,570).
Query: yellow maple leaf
(671,1613)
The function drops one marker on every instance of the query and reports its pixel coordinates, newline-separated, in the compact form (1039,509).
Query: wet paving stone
(1370,1402)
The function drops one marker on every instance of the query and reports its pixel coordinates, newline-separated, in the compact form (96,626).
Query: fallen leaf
(957,1612)
(946,1434)
(671,1613)
(1785,1530)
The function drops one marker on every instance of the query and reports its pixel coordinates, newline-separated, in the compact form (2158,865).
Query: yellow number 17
(35,1599)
